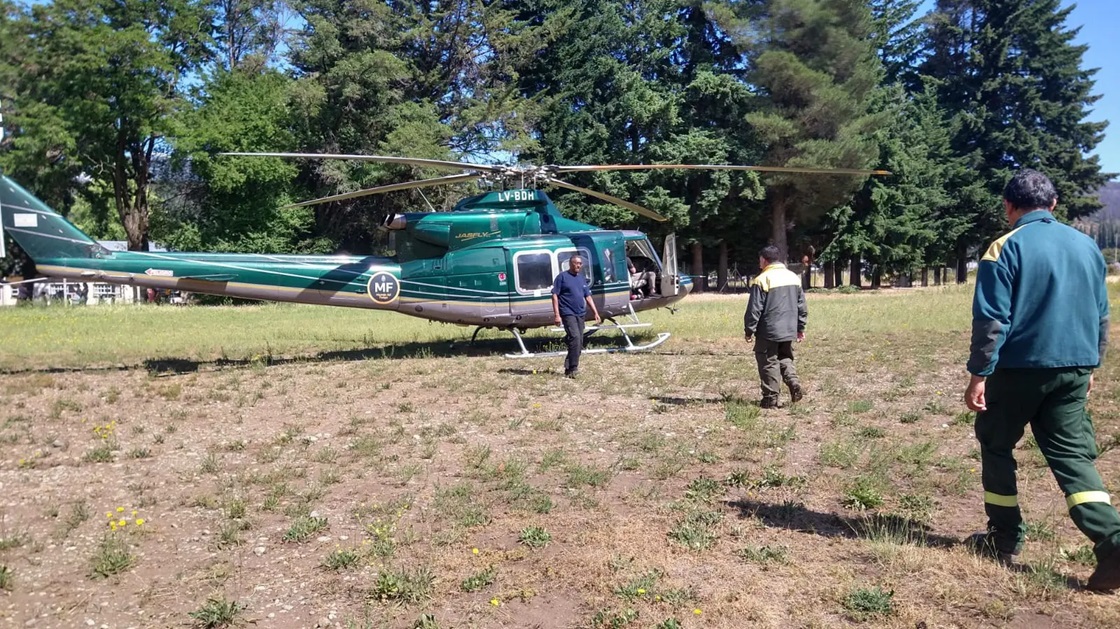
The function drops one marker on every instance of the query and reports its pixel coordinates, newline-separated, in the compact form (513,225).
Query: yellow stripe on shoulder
(994,249)
(777,278)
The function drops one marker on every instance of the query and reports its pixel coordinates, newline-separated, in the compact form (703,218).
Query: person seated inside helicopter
(642,281)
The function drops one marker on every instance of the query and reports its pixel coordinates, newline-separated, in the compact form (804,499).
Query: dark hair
(770,253)
(1030,190)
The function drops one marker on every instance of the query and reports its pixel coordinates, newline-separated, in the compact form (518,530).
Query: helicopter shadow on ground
(399,351)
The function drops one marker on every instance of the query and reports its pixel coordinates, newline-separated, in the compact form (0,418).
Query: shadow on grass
(886,528)
(692,401)
(797,517)
(399,351)
(498,346)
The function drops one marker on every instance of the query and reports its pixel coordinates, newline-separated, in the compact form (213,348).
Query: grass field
(285,466)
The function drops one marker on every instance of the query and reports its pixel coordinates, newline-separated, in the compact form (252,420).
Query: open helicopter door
(670,277)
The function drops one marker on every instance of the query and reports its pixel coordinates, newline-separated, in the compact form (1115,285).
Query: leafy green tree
(95,82)
(428,80)
(816,67)
(237,204)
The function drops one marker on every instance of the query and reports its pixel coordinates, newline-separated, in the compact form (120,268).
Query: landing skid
(621,327)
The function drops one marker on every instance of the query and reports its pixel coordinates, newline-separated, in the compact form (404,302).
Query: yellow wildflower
(120,509)
(134,512)
(139,521)
(108,514)
(122,522)
(474,550)
(495,602)
(697,611)
(641,591)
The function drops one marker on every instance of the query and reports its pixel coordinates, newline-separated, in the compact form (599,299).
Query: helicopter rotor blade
(423,183)
(412,161)
(648,213)
(764,169)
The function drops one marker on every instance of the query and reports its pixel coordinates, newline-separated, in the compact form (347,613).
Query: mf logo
(384,288)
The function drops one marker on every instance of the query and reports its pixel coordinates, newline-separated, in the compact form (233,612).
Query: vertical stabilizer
(40,231)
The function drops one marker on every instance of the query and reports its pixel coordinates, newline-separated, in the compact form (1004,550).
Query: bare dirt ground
(483,492)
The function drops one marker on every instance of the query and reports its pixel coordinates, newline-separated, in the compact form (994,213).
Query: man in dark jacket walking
(776,315)
(1039,328)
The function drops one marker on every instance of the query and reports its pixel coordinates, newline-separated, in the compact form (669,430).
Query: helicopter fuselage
(489,263)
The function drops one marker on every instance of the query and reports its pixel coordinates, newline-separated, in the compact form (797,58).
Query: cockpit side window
(562,258)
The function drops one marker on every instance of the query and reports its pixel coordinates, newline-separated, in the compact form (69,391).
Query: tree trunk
(722,271)
(830,274)
(854,272)
(925,276)
(131,192)
(937,275)
(778,227)
(699,278)
(838,274)
(877,277)
(962,268)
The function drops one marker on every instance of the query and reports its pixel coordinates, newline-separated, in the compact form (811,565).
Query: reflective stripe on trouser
(775,365)
(1052,401)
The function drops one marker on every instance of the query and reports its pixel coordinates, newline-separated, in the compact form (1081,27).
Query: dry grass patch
(404,487)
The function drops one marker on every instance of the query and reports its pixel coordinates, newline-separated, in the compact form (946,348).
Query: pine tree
(654,81)
(817,70)
(1011,78)
(895,223)
(897,35)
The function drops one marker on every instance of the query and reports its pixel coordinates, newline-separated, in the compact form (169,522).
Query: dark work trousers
(775,365)
(573,338)
(1052,401)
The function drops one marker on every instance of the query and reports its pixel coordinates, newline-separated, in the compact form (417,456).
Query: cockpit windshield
(642,249)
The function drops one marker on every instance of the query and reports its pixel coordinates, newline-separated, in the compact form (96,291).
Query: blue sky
(1098,20)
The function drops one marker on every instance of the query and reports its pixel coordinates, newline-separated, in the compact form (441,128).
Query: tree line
(114,112)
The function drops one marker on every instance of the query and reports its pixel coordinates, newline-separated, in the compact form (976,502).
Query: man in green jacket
(776,314)
(1039,328)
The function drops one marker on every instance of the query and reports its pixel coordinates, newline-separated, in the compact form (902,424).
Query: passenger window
(534,271)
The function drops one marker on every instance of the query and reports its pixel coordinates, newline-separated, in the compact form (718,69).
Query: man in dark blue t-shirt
(570,299)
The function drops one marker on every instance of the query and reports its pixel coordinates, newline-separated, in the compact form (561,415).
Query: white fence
(51,291)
